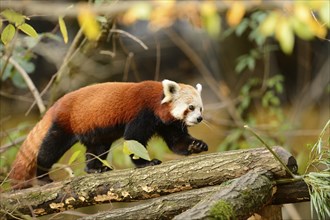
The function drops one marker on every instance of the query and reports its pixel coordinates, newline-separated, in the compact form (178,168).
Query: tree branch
(167,207)
(29,83)
(145,183)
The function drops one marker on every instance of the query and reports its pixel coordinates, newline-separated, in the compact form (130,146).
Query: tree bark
(145,183)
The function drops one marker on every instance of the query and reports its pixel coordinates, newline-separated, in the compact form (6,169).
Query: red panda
(97,115)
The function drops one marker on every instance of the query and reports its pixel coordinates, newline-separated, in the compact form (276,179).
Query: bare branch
(29,83)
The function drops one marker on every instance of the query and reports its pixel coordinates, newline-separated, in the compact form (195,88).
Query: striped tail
(24,167)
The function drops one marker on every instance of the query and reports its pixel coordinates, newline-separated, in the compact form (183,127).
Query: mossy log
(138,184)
(169,206)
(239,199)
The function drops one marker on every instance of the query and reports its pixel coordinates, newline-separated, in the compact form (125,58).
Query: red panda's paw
(99,170)
(139,163)
(154,162)
(197,146)
(43,180)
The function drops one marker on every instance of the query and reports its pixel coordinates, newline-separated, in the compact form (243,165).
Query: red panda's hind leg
(93,156)
(54,145)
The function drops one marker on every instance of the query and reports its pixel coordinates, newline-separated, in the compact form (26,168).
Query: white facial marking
(187,104)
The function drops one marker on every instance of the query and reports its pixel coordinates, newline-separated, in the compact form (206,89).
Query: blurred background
(261,63)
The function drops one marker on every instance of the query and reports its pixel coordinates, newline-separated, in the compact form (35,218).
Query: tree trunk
(145,183)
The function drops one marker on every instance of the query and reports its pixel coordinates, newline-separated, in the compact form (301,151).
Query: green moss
(222,210)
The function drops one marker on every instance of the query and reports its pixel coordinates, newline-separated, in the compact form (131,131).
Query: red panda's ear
(170,88)
(199,88)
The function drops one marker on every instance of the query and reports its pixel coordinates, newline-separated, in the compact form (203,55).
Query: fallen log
(145,183)
(239,199)
(167,207)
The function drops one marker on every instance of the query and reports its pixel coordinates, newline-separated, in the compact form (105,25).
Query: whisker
(208,124)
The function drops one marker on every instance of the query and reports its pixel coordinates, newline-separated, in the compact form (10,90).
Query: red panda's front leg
(179,140)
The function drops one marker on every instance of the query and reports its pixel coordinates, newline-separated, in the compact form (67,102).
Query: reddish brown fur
(24,167)
(82,110)
(94,106)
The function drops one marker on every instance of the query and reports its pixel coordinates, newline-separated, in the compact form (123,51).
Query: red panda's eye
(191,107)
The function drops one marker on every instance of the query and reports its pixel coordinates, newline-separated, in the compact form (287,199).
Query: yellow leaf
(163,15)
(63,29)
(208,8)
(267,27)
(140,11)
(284,35)
(210,18)
(28,29)
(8,34)
(106,163)
(302,12)
(301,29)
(88,23)
(74,157)
(134,147)
(13,17)
(325,13)
(318,30)
(235,13)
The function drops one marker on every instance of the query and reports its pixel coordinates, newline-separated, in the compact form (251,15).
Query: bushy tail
(25,165)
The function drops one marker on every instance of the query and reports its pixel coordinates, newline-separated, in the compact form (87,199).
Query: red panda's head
(185,101)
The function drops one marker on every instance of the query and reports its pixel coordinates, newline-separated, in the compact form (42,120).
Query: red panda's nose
(199,119)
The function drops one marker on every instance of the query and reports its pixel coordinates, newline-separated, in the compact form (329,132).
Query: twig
(274,154)
(42,92)
(158,59)
(127,66)
(17,141)
(17,97)
(69,54)
(29,83)
(130,36)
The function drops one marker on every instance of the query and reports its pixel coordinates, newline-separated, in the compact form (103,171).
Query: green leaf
(74,156)
(251,63)
(7,72)
(28,29)
(13,17)
(18,80)
(241,27)
(63,29)
(134,147)
(27,65)
(8,34)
